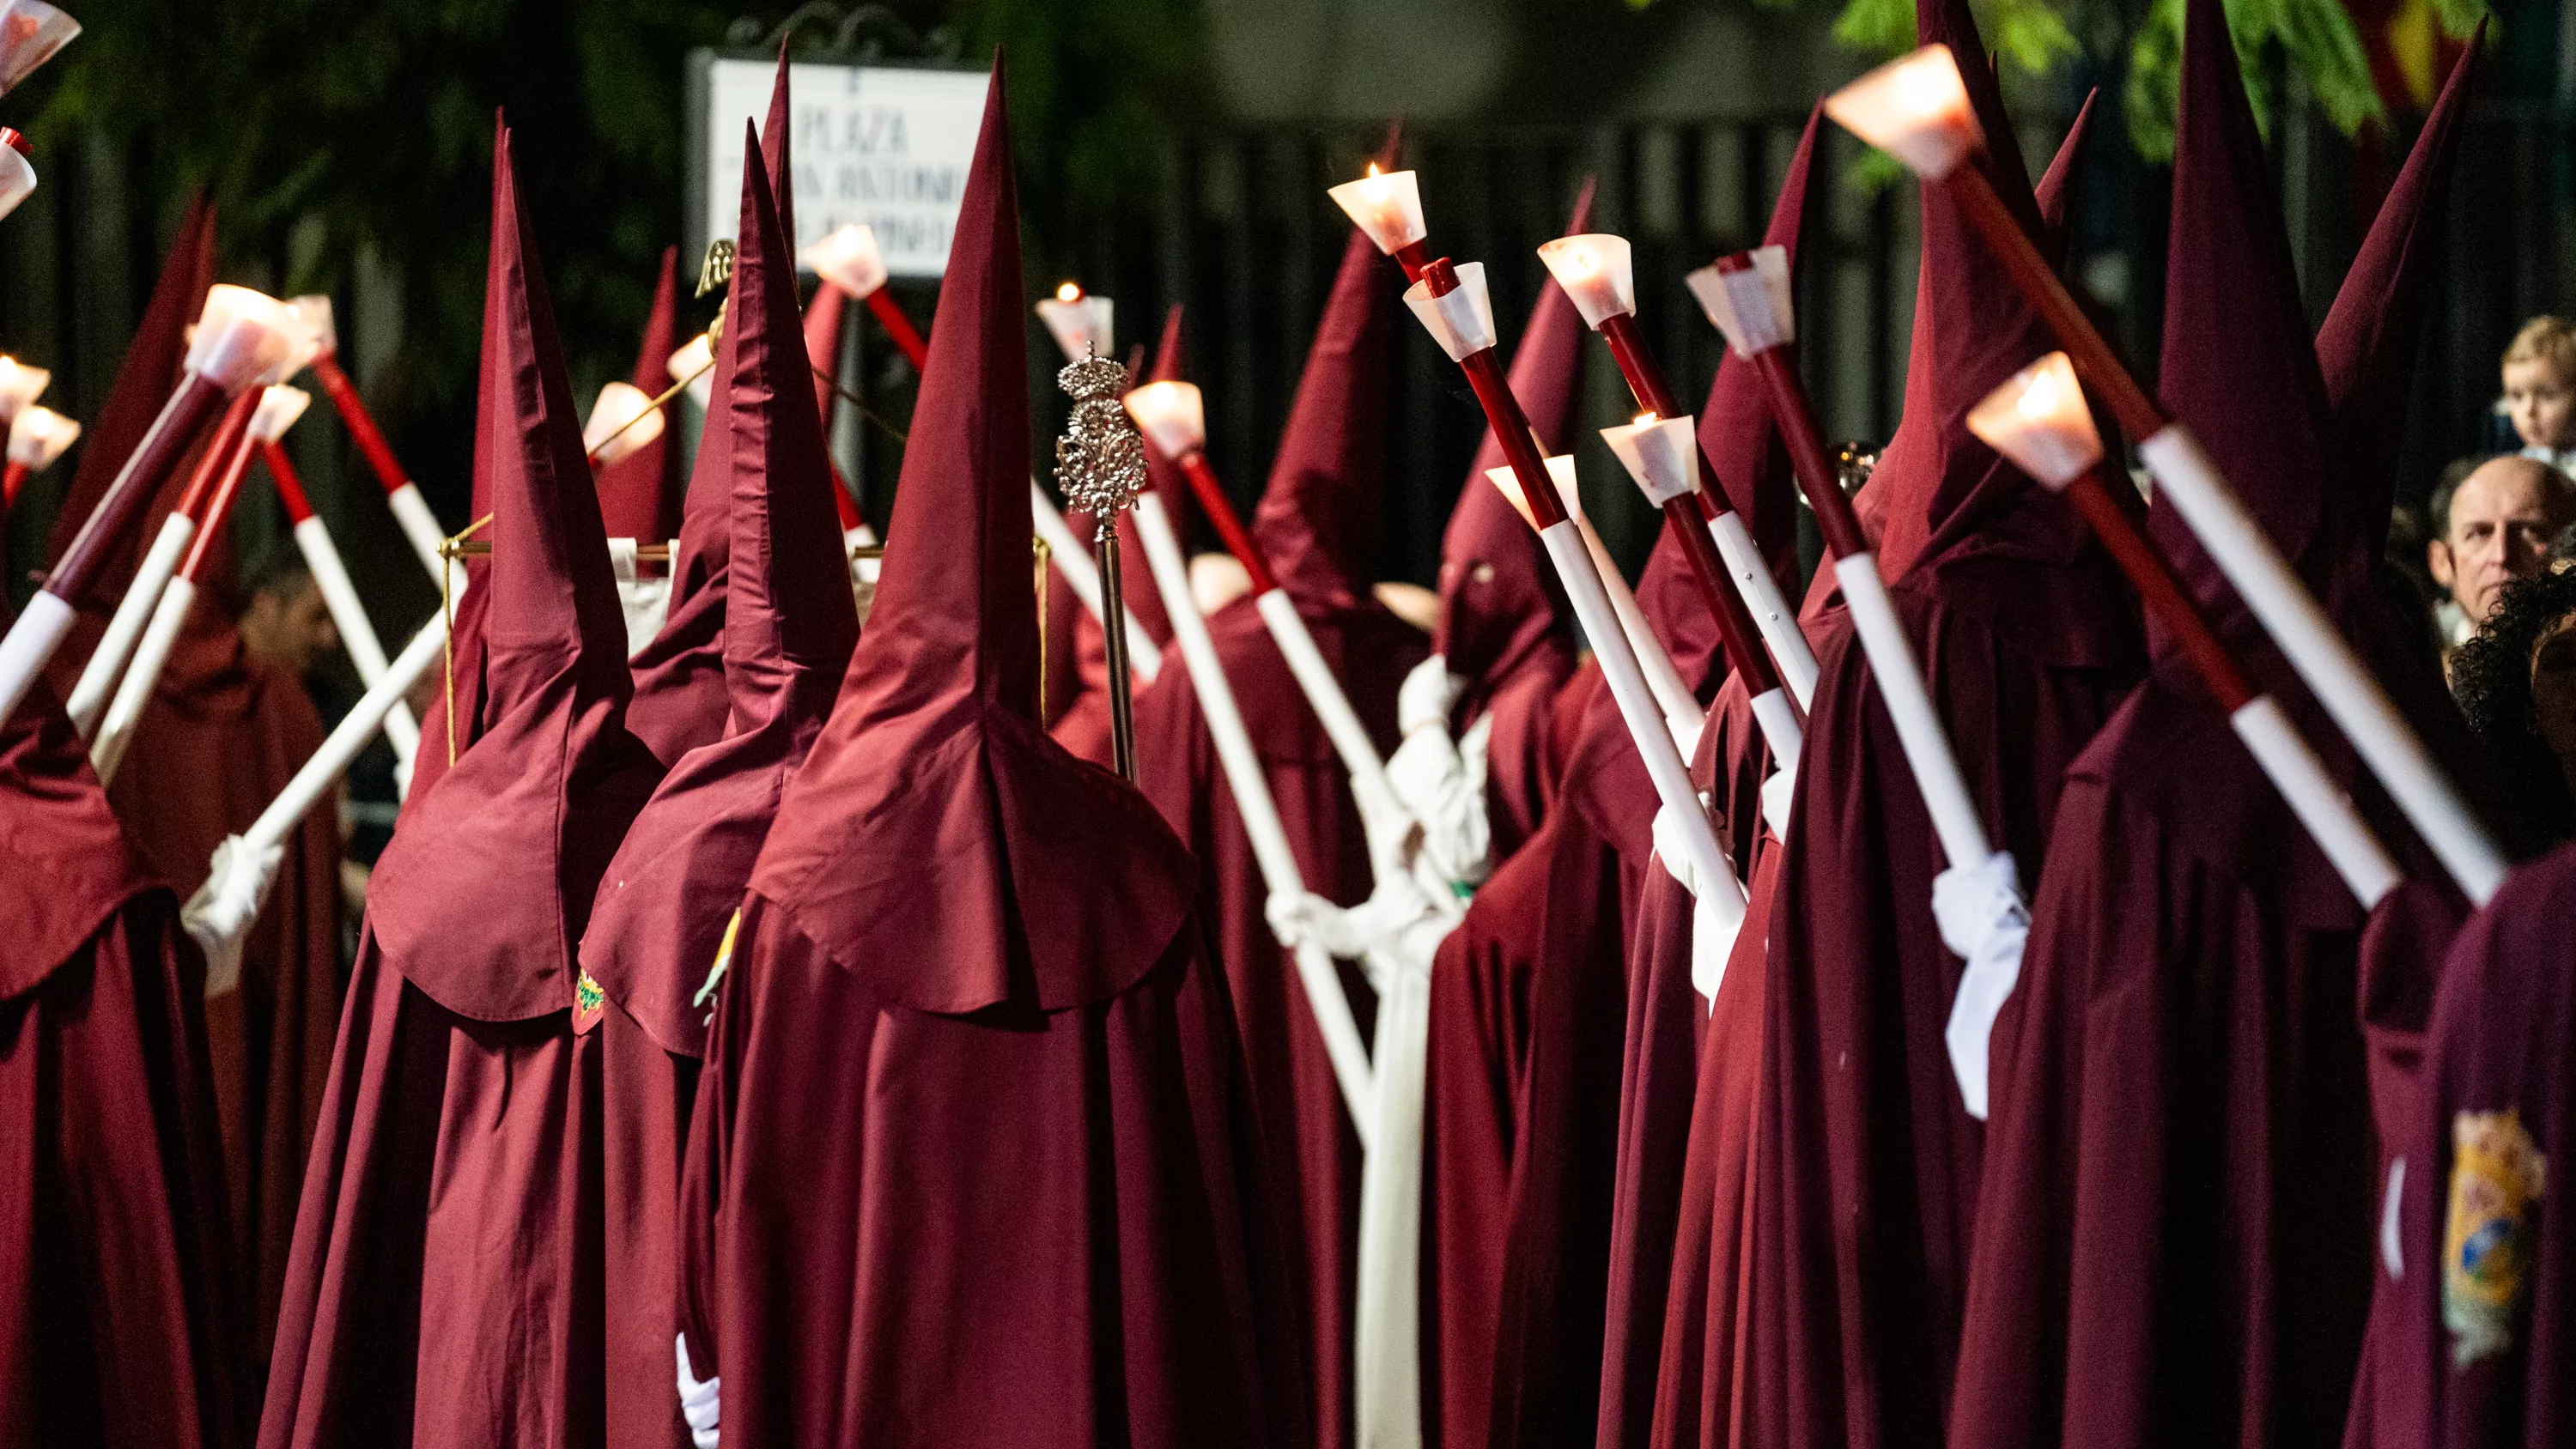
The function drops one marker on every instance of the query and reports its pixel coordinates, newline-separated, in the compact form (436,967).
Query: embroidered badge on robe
(589,1003)
(2497,1176)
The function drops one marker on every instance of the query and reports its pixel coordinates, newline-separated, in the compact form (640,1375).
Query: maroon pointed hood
(1742,445)
(483,893)
(635,491)
(2238,364)
(144,379)
(2367,348)
(1500,601)
(70,862)
(1318,521)
(1973,330)
(680,693)
(789,626)
(937,843)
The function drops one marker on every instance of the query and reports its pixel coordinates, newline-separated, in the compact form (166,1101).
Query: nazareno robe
(2471,1336)
(1660,1053)
(222,734)
(1865,1181)
(664,904)
(680,698)
(975,1159)
(1315,523)
(446,1284)
(119,1315)
(2180,1192)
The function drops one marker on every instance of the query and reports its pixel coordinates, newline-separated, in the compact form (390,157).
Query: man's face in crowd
(289,626)
(2542,398)
(2502,519)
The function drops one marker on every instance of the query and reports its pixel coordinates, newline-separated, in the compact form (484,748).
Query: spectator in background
(2516,682)
(286,621)
(2491,527)
(2540,390)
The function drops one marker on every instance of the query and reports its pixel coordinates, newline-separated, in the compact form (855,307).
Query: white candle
(621,421)
(2039,421)
(1661,454)
(1594,269)
(1385,204)
(848,259)
(1915,108)
(1172,414)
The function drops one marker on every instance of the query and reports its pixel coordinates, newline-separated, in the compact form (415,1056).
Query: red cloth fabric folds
(973,1160)
(446,1285)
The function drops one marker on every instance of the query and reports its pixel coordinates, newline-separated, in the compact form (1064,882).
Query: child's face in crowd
(2543,400)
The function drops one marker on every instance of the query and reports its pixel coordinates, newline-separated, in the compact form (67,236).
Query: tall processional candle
(848,259)
(37,436)
(2039,420)
(1451,302)
(1595,271)
(1916,108)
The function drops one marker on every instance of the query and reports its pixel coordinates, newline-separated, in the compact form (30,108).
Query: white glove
(1442,786)
(221,911)
(1427,695)
(1303,918)
(1984,923)
(1711,941)
(697,1400)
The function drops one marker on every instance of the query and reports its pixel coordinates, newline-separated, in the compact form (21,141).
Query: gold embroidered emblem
(588,1003)
(2497,1177)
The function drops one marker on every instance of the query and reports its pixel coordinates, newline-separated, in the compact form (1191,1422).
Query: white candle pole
(1681,708)
(1236,756)
(1596,272)
(107,662)
(350,736)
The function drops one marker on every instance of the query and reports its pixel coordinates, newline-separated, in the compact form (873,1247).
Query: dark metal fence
(1240,231)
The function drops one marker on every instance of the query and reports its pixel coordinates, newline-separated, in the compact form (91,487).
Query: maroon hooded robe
(974,1129)
(1866,1171)
(1317,523)
(118,1310)
(446,1283)
(2181,1197)
(681,697)
(679,877)
(221,735)
(2474,1344)
(635,498)
(1660,1054)
(1697,1383)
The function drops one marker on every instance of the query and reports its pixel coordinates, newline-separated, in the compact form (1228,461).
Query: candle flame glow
(1642,419)
(1068,292)
(2040,399)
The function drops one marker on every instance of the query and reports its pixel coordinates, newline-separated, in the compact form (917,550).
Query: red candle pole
(219,505)
(360,423)
(1220,511)
(1510,425)
(12,478)
(116,515)
(1687,516)
(899,327)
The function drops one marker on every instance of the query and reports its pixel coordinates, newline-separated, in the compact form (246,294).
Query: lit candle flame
(1069,292)
(2040,399)
(1373,171)
(1642,419)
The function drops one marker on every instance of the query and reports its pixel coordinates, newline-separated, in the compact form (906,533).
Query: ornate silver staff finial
(1100,461)
(1100,464)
